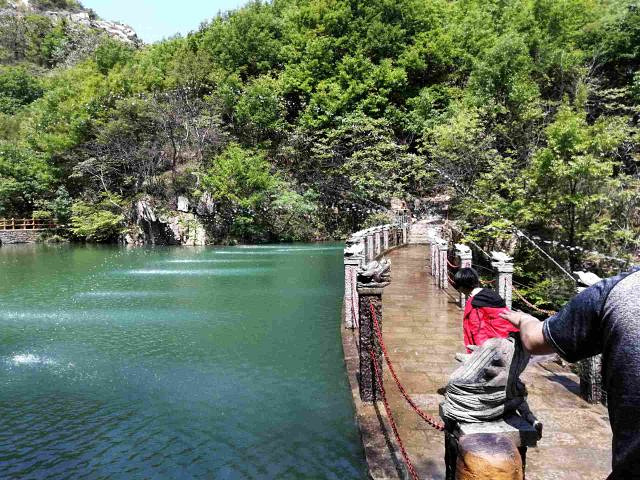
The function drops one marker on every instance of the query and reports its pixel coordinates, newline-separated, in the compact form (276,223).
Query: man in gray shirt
(604,318)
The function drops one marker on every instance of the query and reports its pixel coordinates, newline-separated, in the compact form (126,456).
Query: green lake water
(174,363)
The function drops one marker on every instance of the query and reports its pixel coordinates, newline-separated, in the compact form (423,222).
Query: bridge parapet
(414,339)
(361,248)
(590,370)
(365,280)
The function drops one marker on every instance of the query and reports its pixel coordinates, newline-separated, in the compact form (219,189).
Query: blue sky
(157,19)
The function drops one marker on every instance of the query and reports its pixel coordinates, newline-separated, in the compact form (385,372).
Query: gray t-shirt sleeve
(576,331)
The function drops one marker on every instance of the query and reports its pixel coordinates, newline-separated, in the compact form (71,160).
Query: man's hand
(530,332)
(517,318)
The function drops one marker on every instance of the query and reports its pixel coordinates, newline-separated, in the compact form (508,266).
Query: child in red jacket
(481,320)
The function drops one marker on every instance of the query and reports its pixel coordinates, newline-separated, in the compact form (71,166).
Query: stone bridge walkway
(422,330)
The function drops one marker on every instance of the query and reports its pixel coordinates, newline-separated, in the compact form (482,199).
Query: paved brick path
(422,330)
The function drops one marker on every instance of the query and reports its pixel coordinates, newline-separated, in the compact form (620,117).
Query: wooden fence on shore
(27,223)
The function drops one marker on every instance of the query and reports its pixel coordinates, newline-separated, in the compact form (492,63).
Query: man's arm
(576,331)
(531,334)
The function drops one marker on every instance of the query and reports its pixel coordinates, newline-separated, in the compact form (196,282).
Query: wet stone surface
(423,331)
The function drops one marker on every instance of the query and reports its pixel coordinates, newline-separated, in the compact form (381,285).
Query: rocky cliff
(152,224)
(64,29)
(73,13)
(115,30)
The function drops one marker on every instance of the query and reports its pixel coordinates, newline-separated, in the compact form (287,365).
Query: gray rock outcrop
(83,18)
(151,225)
(183,204)
(206,205)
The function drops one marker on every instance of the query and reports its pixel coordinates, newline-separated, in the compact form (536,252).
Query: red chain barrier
(531,305)
(451,280)
(487,282)
(425,416)
(452,265)
(405,455)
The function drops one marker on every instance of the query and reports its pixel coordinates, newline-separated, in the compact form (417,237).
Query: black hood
(487,298)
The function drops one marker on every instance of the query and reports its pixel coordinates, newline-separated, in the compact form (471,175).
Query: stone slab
(514,427)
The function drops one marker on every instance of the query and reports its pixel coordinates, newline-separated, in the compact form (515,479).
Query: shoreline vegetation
(298,119)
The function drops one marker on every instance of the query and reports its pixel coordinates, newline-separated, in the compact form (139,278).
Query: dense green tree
(111,53)
(25,177)
(97,222)
(245,41)
(17,89)
(259,110)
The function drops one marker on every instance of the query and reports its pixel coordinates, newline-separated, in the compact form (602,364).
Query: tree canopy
(327,109)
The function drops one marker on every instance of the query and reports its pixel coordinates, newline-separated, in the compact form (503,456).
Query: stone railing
(441,270)
(362,248)
(365,276)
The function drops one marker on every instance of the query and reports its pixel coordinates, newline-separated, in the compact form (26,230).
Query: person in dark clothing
(481,319)
(603,319)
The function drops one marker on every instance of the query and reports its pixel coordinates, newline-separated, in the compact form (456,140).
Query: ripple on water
(121,294)
(287,247)
(30,359)
(308,249)
(277,251)
(116,313)
(207,260)
(198,272)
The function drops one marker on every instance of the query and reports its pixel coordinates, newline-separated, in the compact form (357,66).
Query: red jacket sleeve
(481,324)
(470,325)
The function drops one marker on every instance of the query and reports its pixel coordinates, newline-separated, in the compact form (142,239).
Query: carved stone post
(465,260)
(405,234)
(377,240)
(374,236)
(590,368)
(385,238)
(370,247)
(351,265)
(443,271)
(503,265)
(363,241)
(465,256)
(433,251)
(370,294)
